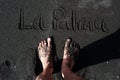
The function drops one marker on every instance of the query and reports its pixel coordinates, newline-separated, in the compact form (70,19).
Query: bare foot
(70,51)
(45,55)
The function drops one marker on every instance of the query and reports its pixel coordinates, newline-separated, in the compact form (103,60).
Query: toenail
(68,39)
(49,39)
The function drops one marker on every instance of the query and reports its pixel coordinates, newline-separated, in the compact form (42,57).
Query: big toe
(49,41)
(67,43)
(66,48)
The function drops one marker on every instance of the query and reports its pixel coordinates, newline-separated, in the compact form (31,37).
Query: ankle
(65,71)
(48,70)
(45,75)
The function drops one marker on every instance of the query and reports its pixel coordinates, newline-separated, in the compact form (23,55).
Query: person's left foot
(45,54)
(71,53)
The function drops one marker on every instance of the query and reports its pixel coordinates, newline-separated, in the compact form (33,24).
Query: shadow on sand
(102,50)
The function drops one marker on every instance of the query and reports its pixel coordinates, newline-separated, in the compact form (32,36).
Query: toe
(71,45)
(49,42)
(39,46)
(67,43)
(74,44)
(44,43)
(66,48)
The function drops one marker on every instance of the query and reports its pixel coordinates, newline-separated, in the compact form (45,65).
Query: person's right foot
(70,51)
